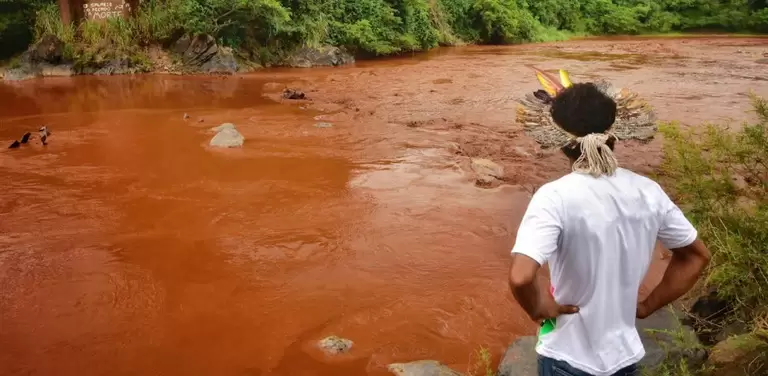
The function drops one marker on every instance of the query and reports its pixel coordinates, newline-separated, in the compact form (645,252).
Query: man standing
(596,228)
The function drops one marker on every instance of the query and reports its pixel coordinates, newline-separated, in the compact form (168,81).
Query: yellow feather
(546,84)
(564,79)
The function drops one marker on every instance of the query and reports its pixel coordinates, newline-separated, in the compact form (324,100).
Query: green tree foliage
(382,27)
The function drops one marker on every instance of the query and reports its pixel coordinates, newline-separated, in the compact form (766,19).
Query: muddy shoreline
(130,247)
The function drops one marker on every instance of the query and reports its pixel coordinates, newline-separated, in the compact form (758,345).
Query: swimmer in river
(43,131)
(24,140)
(597,228)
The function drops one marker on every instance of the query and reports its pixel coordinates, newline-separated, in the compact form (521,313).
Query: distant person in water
(596,228)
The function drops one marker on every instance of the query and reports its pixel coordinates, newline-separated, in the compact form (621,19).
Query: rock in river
(335,345)
(422,368)
(227,136)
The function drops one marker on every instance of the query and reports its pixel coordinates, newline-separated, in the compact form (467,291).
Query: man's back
(598,236)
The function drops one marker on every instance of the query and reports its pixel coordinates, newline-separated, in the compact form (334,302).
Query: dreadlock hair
(587,114)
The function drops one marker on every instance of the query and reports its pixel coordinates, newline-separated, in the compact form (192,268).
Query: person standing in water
(597,228)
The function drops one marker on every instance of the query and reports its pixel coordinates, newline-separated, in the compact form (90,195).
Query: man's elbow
(520,278)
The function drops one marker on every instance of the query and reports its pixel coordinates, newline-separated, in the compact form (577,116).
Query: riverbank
(300,33)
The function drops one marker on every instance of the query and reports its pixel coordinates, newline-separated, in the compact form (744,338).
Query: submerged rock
(323,125)
(294,94)
(227,136)
(422,368)
(488,172)
(307,57)
(335,345)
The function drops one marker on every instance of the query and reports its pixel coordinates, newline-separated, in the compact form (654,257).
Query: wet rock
(63,70)
(19,74)
(335,345)
(422,368)
(227,136)
(323,125)
(744,355)
(762,61)
(519,359)
(488,172)
(294,94)
(307,57)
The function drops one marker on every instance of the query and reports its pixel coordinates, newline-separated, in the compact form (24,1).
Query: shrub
(720,178)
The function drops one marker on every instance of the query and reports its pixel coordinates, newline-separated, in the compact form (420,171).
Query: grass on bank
(719,177)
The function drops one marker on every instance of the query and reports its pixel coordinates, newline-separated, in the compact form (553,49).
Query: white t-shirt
(598,236)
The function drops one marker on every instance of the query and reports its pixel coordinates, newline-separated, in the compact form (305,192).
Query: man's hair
(580,110)
(583,109)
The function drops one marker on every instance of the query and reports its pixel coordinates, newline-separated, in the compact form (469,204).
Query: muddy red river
(129,247)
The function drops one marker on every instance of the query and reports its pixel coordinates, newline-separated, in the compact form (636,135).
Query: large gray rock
(20,74)
(422,368)
(227,136)
(223,62)
(330,56)
(49,49)
(520,358)
(665,340)
(200,53)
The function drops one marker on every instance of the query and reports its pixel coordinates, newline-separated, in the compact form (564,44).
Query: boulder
(19,74)
(520,359)
(422,368)
(223,62)
(49,49)
(307,57)
(335,345)
(294,94)
(200,53)
(743,355)
(667,340)
(227,136)
(487,172)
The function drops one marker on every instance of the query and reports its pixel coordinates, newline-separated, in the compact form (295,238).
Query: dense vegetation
(720,178)
(262,29)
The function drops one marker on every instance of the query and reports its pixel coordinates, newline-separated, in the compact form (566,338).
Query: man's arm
(527,289)
(537,239)
(689,259)
(683,272)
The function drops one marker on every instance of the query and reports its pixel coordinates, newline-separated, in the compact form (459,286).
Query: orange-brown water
(127,247)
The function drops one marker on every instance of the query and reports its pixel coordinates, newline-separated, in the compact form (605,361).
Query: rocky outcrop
(744,355)
(422,368)
(201,54)
(325,56)
(227,136)
(334,345)
(44,58)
